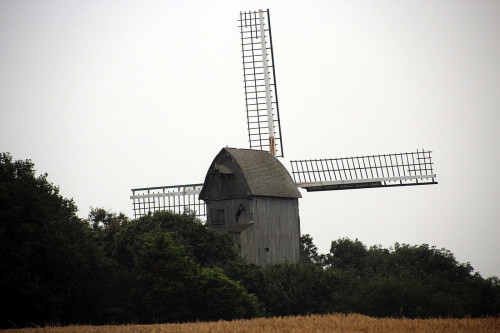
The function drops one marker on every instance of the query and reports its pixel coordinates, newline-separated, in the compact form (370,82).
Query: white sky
(107,96)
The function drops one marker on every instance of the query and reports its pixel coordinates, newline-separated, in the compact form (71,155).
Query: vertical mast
(261,96)
(270,122)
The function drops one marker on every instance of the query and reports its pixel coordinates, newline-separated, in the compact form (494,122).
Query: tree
(309,251)
(294,289)
(56,267)
(207,247)
(219,297)
(165,280)
(346,254)
(47,256)
(162,274)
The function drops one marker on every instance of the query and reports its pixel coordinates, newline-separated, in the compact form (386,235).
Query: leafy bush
(58,268)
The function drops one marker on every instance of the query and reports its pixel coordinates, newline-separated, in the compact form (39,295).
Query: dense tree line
(411,281)
(58,268)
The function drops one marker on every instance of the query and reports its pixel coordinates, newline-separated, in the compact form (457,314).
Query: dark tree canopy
(162,273)
(46,252)
(58,268)
(411,281)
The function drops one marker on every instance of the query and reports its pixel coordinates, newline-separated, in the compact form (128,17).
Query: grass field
(314,323)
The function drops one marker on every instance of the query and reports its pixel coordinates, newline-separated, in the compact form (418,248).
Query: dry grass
(314,323)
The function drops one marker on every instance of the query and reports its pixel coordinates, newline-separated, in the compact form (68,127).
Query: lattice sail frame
(178,199)
(414,168)
(261,94)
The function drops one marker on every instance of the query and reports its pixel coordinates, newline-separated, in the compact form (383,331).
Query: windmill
(264,133)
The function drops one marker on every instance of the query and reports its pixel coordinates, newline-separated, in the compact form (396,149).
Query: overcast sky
(107,96)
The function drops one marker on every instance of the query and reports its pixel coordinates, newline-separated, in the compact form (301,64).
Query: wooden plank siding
(248,248)
(267,231)
(274,235)
(277,229)
(230,207)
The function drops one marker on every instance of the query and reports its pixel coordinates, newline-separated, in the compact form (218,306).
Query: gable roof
(263,174)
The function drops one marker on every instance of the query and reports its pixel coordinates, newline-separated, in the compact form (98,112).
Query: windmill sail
(175,198)
(264,132)
(261,95)
(414,168)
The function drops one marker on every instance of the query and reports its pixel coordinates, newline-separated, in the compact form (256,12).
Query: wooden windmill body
(251,195)
(248,192)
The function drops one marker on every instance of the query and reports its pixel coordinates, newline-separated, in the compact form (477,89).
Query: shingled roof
(263,173)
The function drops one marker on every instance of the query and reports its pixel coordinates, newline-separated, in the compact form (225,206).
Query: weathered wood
(266,226)
(278,229)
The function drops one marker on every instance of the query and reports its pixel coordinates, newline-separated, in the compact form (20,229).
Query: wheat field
(313,323)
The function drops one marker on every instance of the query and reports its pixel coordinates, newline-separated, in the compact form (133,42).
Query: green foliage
(222,298)
(347,255)
(47,256)
(55,267)
(207,247)
(165,270)
(411,281)
(416,281)
(163,280)
(296,289)
(309,251)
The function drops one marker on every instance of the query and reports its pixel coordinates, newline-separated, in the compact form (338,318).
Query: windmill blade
(261,95)
(400,169)
(178,199)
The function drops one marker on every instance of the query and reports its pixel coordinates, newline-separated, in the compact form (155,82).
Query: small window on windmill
(217,217)
(223,175)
